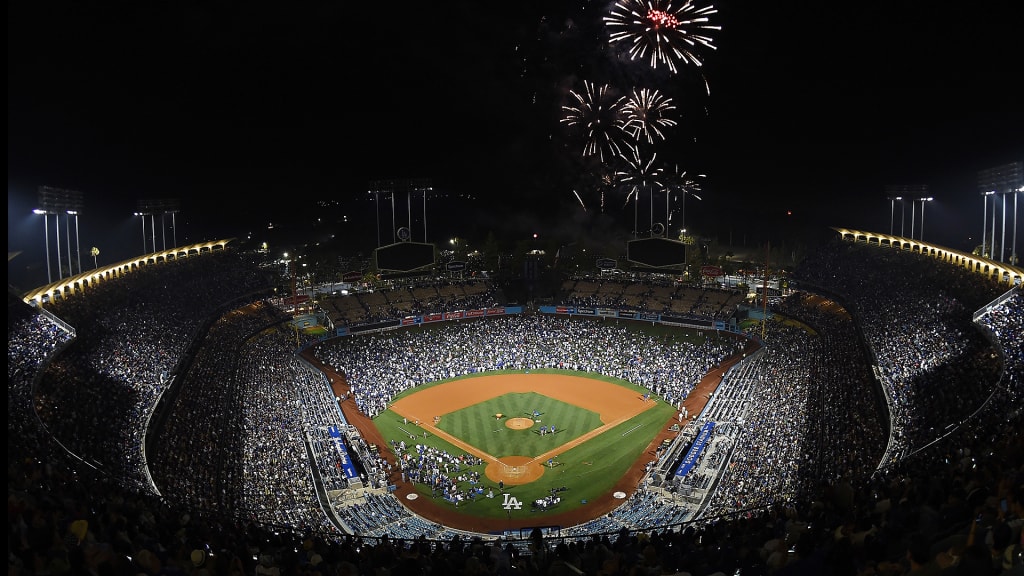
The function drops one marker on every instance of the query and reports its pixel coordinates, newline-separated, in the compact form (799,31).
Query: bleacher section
(397,301)
(651,294)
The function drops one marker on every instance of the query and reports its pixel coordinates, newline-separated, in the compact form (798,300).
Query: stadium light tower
(1002,180)
(1013,252)
(162,206)
(903,218)
(904,192)
(892,211)
(992,242)
(984,219)
(1002,241)
(174,227)
(913,213)
(67,234)
(59,201)
(142,216)
(78,238)
(46,232)
(921,231)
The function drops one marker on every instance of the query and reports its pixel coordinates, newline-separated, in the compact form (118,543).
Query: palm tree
(95,252)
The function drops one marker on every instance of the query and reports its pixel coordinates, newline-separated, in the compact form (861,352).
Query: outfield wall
(417,321)
(587,311)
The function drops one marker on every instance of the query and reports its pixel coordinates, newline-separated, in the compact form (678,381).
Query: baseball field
(604,434)
(555,437)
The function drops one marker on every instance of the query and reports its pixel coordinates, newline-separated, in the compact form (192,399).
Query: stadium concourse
(162,424)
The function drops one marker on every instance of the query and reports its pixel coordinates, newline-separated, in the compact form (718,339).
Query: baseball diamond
(615,404)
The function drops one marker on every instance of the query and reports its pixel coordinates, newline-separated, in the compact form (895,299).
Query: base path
(446,516)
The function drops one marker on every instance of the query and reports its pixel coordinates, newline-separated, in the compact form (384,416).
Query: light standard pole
(142,216)
(174,228)
(651,227)
(636,208)
(1002,241)
(67,235)
(46,232)
(393,231)
(1013,252)
(984,220)
(923,200)
(78,245)
(679,181)
(376,207)
(913,211)
(903,218)
(892,211)
(163,229)
(992,243)
(56,237)
(682,215)
(668,209)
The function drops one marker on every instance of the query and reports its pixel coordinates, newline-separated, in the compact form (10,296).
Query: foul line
(632,429)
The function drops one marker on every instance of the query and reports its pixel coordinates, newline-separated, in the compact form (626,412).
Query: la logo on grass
(511,502)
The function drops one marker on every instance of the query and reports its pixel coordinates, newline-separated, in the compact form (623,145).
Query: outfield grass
(586,471)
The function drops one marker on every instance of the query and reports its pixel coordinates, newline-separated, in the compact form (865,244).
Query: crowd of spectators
(380,366)
(396,300)
(234,439)
(655,293)
(954,501)
(937,368)
(96,397)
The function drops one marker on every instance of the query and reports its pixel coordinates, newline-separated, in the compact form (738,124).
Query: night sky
(255,114)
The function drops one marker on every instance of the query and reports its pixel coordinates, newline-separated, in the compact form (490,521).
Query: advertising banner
(344,460)
(712,271)
(695,451)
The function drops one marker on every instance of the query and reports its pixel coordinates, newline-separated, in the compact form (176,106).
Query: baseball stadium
(627,288)
(632,421)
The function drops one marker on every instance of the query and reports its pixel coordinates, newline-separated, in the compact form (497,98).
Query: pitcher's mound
(519,423)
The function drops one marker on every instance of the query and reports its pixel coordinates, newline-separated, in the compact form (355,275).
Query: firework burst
(682,184)
(655,31)
(636,175)
(683,181)
(646,112)
(598,116)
